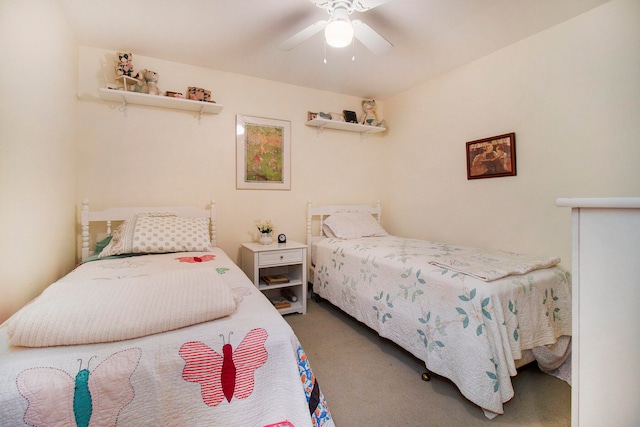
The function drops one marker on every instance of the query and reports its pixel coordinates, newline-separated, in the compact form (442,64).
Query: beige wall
(39,69)
(570,93)
(572,96)
(156,156)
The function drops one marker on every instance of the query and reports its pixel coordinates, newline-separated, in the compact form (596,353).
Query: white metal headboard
(110,215)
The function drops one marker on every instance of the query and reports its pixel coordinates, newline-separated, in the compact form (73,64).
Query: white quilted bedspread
(468,330)
(492,265)
(118,299)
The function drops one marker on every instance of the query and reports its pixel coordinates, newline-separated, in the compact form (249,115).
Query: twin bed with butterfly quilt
(471,315)
(158,328)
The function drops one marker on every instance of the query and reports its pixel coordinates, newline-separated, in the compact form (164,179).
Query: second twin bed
(470,315)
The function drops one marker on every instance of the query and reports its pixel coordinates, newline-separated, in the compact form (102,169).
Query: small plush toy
(199,94)
(370,117)
(124,64)
(147,82)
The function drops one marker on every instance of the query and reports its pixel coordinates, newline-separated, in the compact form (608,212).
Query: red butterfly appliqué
(192,259)
(228,375)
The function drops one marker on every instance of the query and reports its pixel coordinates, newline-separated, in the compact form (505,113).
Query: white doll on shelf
(370,117)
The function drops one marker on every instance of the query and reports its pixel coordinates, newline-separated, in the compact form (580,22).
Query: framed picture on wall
(492,157)
(263,153)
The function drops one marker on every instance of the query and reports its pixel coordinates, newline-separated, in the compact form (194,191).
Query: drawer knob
(281,256)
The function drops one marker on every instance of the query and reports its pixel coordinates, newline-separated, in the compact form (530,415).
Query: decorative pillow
(352,225)
(159,233)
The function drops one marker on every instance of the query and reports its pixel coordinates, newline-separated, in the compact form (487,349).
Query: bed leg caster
(426,376)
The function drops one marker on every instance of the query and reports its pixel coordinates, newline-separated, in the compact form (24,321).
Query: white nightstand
(278,259)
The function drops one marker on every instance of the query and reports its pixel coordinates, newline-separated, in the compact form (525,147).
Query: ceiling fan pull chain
(325,51)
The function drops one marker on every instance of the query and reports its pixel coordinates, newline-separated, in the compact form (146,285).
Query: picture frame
(263,153)
(350,116)
(491,157)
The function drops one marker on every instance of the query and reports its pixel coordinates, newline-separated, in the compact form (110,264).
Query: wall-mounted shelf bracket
(200,114)
(123,107)
(319,129)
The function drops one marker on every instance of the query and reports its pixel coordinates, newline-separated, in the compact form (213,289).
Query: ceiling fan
(339,30)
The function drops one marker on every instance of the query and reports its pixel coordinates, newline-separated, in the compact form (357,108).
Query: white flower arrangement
(265,226)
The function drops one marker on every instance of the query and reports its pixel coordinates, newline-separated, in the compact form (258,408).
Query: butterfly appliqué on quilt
(92,397)
(194,259)
(228,375)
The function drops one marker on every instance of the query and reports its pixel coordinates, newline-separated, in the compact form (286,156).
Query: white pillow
(159,233)
(327,231)
(352,225)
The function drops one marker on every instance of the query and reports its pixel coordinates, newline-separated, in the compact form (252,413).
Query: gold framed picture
(263,153)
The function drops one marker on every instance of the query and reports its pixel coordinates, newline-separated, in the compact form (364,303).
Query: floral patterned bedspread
(463,328)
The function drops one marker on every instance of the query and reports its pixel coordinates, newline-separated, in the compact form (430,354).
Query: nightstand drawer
(279,257)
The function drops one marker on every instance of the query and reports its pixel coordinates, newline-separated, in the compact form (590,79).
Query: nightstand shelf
(278,259)
(264,286)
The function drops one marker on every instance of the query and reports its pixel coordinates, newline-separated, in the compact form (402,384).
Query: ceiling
(430,37)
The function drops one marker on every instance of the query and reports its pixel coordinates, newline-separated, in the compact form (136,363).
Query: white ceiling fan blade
(364,5)
(324,4)
(358,5)
(371,39)
(303,35)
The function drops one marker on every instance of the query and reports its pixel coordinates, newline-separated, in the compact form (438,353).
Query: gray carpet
(369,381)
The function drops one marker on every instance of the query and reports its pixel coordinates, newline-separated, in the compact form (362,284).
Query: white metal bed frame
(111,215)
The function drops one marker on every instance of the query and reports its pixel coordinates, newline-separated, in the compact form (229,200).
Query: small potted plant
(266,229)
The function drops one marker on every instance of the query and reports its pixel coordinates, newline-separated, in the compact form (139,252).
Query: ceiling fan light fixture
(339,31)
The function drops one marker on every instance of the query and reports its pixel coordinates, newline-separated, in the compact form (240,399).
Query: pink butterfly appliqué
(228,375)
(53,394)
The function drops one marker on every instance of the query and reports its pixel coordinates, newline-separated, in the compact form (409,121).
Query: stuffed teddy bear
(147,82)
(124,64)
(370,117)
